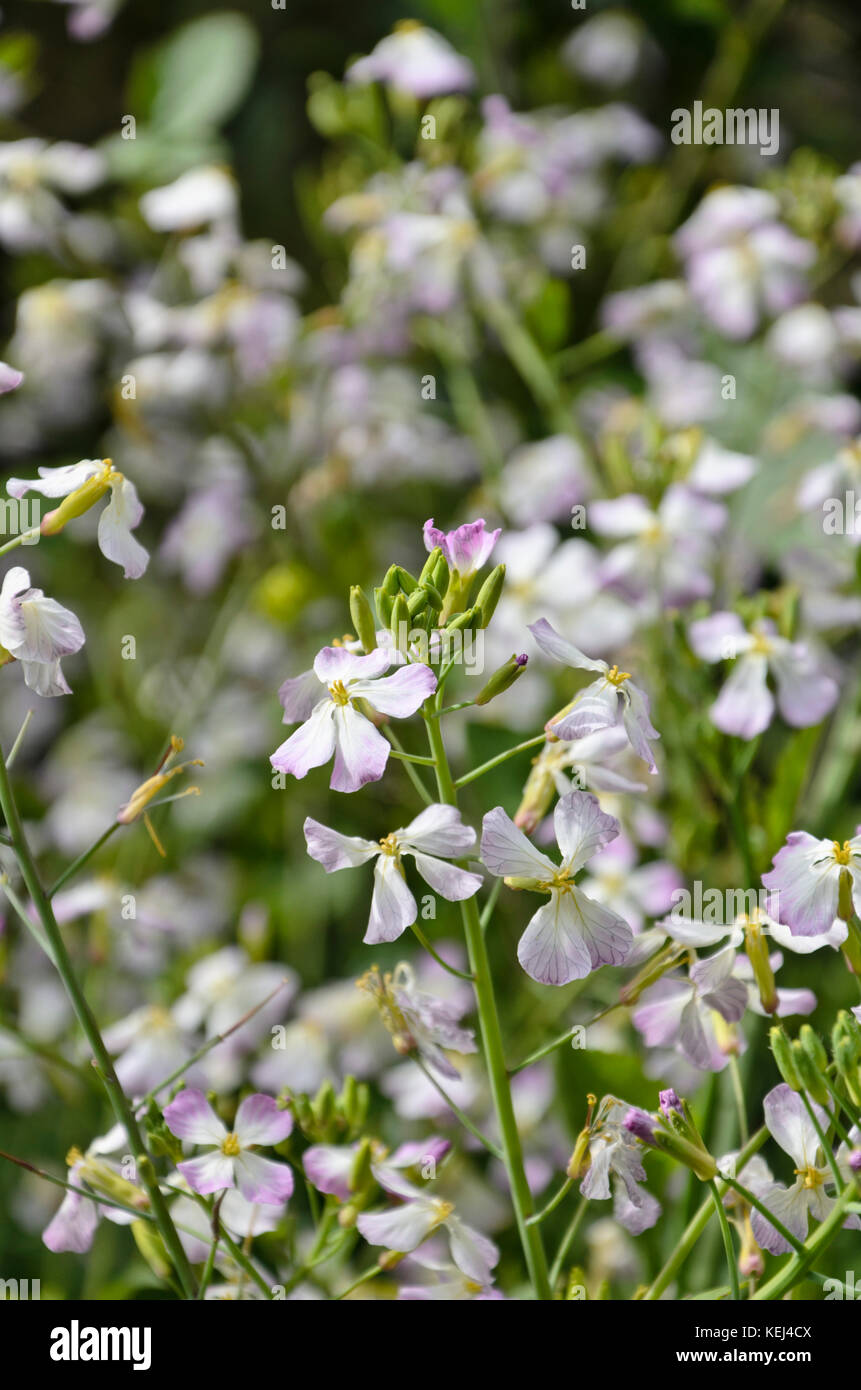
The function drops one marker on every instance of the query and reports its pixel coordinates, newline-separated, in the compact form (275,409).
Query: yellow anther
(842,853)
(338,692)
(230,1146)
(616,677)
(389,845)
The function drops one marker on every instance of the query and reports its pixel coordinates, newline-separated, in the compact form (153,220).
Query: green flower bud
(430,565)
(360,1173)
(813,1046)
(502,679)
(151,1246)
(782,1053)
(363,619)
(471,619)
(323,1105)
(400,621)
(390,583)
(406,581)
(490,593)
(808,1074)
(383,603)
(756,946)
(441,576)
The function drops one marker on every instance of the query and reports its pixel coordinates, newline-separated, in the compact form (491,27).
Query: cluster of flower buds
(673,1132)
(846,1049)
(803,1063)
(331,1115)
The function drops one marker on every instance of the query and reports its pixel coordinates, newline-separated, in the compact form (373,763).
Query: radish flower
(435,835)
(232,1161)
(325,701)
(82,485)
(571,935)
(37,631)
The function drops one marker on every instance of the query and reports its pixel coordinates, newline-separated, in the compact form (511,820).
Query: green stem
(461,1114)
(553,1203)
(698,1223)
(83,859)
(567,1240)
(362,1279)
(755,1202)
(120,1104)
(797,1267)
(495,762)
(423,941)
(731,1264)
(826,1147)
(494,1054)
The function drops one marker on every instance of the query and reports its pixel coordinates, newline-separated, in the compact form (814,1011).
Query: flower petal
(451,883)
(190,1116)
(582,828)
(262,1180)
(334,850)
(259,1120)
(211,1172)
(361,752)
(507,852)
(311,745)
(393,907)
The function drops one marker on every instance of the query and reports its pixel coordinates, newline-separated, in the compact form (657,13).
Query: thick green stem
(479,964)
(119,1102)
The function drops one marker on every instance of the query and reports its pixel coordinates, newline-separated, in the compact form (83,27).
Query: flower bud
(470,619)
(151,1246)
(441,575)
(406,582)
(782,1053)
(400,622)
(363,619)
(502,679)
(808,1074)
(430,564)
(490,593)
(360,1173)
(813,1046)
(383,602)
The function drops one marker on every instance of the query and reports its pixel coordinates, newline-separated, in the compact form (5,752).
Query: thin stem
(731,1263)
(362,1279)
(414,777)
(461,1114)
(211,1043)
(70,1187)
(495,762)
(567,1240)
(25,536)
(83,859)
(423,941)
(412,758)
(826,1147)
(738,1094)
(120,1104)
(698,1223)
(551,1206)
(494,1054)
(450,709)
(755,1202)
(19,739)
(563,1038)
(488,909)
(797,1267)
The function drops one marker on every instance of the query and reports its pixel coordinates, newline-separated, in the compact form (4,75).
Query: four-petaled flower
(745,705)
(232,1161)
(332,722)
(789,1122)
(610,701)
(571,935)
(407,1226)
(438,833)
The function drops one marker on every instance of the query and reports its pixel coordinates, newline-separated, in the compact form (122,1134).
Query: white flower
(435,835)
(37,631)
(83,484)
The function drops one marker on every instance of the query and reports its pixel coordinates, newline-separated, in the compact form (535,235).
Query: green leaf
(201,74)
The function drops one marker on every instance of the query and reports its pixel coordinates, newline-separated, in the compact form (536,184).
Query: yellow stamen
(338,692)
(842,853)
(230,1146)
(616,677)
